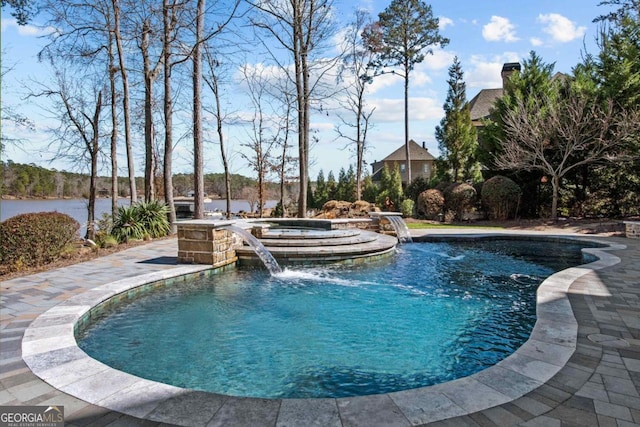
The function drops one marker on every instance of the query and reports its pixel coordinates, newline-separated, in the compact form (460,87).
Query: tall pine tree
(456,136)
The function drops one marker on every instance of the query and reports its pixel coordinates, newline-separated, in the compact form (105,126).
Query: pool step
(356,248)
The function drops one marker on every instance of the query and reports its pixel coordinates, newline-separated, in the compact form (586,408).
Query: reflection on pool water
(433,313)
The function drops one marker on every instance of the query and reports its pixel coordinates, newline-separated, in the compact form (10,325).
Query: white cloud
(26,30)
(535,41)
(484,72)
(444,22)
(560,28)
(392,110)
(499,29)
(440,60)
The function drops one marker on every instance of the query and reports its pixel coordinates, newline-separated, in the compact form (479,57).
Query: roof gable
(481,104)
(416,152)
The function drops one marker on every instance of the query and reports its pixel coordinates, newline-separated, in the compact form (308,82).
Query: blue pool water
(433,313)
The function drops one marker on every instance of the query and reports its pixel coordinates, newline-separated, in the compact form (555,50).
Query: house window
(425,168)
(402,167)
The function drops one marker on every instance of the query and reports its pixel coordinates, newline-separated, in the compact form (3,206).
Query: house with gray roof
(481,104)
(422,162)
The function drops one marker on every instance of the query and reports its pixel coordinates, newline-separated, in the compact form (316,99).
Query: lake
(77,208)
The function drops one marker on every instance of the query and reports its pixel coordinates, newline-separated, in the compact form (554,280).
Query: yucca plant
(154,216)
(144,219)
(126,225)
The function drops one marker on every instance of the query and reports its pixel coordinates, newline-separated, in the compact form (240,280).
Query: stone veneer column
(632,229)
(203,242)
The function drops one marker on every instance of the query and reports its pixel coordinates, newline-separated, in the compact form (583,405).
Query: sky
(483,35)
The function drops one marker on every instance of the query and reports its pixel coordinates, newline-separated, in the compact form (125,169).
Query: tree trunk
(359,148)
(555,186)
(406,124)
(114,132)
(225,163)
(168,113)
(94,151)
(198,171)
(149,78)
(125,105)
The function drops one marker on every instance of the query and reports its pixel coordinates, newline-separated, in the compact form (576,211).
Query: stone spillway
(320,246)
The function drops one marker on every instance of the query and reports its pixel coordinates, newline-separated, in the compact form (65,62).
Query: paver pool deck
(596,383)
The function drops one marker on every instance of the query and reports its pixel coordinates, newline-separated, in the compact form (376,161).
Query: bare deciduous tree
(212,81)
(77,104)
(557,135)
(263,134)
(355,66)
(302,28)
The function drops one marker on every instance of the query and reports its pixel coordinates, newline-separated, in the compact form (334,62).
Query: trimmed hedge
(460,198)
(431,204)
(35,239)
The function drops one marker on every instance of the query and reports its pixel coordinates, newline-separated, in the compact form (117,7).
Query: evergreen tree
(369,190)
(345,189)
(615,71)
(456,136)
(351,184)
(321,194)
(390,186)
(404,34)
(331,186)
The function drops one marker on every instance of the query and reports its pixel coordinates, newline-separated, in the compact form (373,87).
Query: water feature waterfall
(402,231)
(262,252)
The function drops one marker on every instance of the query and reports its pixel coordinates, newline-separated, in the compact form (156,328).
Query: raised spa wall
(203,241)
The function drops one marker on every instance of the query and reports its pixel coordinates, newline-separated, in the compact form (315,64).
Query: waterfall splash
(262,252)
(402,231)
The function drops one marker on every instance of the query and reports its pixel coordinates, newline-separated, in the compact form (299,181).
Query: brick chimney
(507,70)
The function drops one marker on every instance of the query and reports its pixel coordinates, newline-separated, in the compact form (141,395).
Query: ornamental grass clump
(35,239)
(500,197)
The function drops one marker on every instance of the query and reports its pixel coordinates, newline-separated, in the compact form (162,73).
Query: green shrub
(407,208)
(140,221)
(105,240)
(35,239)
(460,198)
(431,204)
(417,186)
(500,197)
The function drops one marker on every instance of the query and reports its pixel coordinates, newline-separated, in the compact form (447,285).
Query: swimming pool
(435,312)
